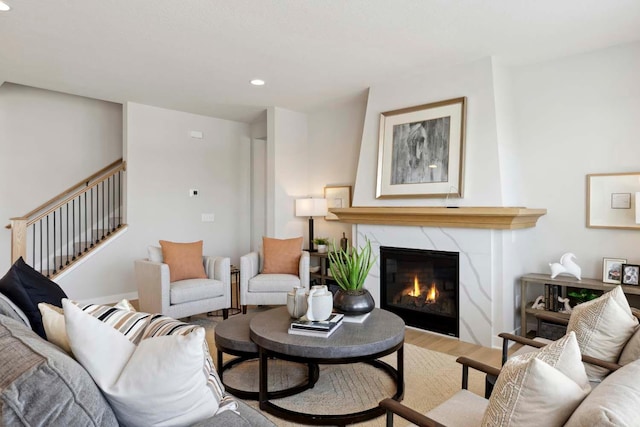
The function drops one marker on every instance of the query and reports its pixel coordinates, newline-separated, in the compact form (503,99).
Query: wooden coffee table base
(342,419)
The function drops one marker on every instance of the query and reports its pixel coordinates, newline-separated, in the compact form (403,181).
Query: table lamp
(311,207)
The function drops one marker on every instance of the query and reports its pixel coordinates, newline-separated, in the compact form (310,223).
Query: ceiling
(199,55)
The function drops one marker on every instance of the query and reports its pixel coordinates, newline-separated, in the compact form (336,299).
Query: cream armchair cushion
(269,289)
(182,298)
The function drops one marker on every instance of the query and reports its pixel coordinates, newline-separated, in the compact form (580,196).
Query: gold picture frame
(611,200)
(338,196)
(421,150)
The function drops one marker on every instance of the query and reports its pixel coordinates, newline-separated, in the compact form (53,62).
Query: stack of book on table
(316,328)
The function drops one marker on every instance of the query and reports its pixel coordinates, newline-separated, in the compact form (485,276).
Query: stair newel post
(18,239)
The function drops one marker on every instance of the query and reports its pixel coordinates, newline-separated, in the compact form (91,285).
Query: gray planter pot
(353,302)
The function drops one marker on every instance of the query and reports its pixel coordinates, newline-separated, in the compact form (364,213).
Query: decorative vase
(319,303)
(353,302)
(297,302)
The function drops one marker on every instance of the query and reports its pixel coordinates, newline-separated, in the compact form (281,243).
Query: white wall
(163,164)
(49,141)
(287,171)
(335,133)
(475,81)
(575,116)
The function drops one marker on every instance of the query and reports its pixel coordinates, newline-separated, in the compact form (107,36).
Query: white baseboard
(110,299)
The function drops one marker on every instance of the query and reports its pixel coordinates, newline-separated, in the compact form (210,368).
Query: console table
(566,282)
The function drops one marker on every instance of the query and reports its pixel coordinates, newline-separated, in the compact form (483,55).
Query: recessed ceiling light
(4,7)
(257,82)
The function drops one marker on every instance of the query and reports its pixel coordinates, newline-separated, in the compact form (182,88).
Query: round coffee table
(381,334)
(232,337)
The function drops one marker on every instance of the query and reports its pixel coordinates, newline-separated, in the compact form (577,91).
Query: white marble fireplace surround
(481,256)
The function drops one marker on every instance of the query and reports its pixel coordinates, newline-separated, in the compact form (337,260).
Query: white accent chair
(257,288)
(184,298)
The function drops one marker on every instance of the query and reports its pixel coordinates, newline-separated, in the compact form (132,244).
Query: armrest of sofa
(152,280)
(478,366)
(538,344)
(303,268)
(249,267)
(415,417)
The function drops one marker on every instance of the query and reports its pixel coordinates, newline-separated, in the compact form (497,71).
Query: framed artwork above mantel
(421,151)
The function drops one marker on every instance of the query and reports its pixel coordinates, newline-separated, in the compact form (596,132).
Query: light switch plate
(196,134)
(208,217)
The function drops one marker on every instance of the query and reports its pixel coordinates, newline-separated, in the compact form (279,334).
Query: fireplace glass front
(421,286)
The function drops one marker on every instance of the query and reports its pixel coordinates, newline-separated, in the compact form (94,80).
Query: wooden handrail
(113,168)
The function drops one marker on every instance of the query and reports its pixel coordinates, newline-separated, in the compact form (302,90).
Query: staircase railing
(56,233)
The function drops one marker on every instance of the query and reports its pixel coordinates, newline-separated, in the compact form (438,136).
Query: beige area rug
(430,379)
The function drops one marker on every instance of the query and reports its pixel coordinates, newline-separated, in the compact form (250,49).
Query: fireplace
(421,286)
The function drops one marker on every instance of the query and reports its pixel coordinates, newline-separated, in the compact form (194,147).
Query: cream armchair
(268,289)
(184,298)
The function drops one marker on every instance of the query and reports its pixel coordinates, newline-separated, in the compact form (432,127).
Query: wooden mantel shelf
(500,218)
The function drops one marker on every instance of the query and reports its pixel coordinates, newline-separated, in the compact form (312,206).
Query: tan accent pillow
(281,256)
(603,326)
(184,260)
(539,389)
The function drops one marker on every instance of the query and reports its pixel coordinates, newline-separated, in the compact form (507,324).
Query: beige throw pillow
(281,256)
(539,389)
(603,326)
(631,350)
(184,260)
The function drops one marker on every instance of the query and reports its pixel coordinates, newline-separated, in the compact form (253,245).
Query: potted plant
(350,269)
(322,243)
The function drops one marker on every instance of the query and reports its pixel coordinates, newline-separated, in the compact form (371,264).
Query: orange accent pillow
(281,256)
(184,259)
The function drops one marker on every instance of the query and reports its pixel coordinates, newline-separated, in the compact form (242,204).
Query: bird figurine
(566,266)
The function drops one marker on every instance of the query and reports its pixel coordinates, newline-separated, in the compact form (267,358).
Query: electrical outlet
(193,192)
(208,217)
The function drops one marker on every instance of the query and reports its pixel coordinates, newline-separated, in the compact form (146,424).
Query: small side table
(235,294)
(235,290)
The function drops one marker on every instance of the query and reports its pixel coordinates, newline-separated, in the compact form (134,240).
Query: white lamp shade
(311,207)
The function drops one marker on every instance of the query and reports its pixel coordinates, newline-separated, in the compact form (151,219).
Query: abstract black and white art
(421,152)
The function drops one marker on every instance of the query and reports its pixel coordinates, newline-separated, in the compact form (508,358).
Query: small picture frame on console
(612,270)
(630,274)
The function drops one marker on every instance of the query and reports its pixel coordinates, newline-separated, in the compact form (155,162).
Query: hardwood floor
(452,346)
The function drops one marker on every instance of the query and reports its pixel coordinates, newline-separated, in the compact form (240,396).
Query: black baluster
(86,236)
(48,266)
(73,223)
(91,204)
(109,194)
(103,227)
(60,219)
(40,245)
(119,199)
(33,246)
(54,243)
(67,211)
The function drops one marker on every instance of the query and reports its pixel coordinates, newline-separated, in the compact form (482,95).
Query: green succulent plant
(350,268)
(321,240)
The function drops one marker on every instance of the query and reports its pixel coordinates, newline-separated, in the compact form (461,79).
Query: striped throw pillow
(131,324)
(160,325)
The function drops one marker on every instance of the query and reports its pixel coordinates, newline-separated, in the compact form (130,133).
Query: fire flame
(416,288)
(432,294)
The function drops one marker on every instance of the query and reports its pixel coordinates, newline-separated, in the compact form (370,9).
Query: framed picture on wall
(612,270)
(612,200)
(337,197)
(421,150)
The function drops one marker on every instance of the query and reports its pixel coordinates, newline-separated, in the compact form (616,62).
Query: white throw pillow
(631,350)
(160,382)
(155,254)
(539,389)
(603,326)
